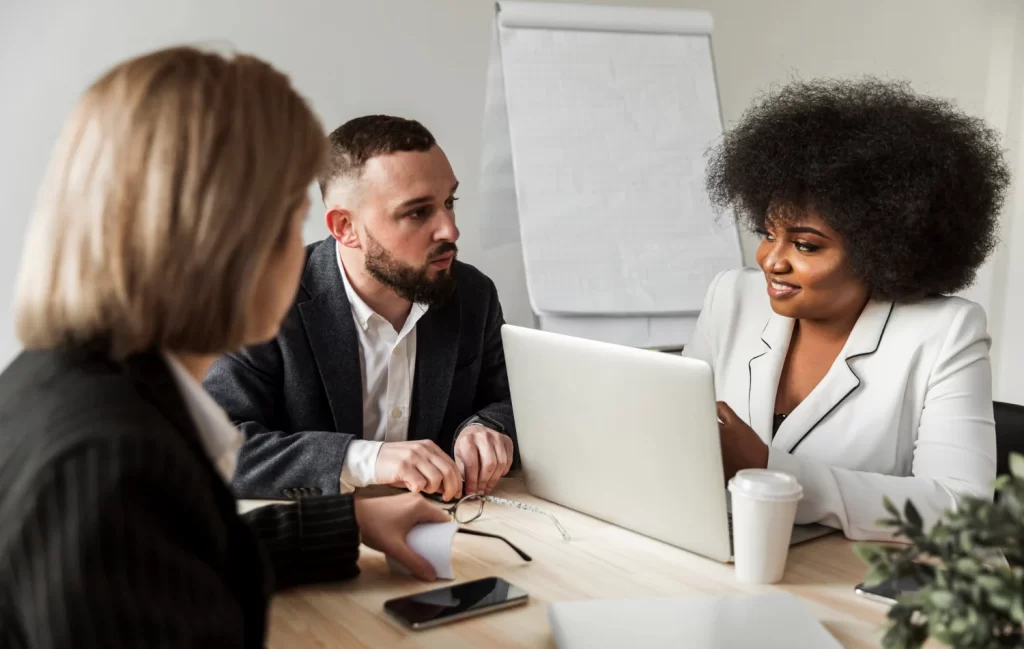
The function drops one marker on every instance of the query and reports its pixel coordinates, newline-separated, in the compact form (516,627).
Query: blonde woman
(168,232)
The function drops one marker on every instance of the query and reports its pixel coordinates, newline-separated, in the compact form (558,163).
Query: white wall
(1006,287)
(427,60)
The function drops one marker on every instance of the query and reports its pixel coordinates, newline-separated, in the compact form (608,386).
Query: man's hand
(384,523)
(483,456)
(741,447)
(418,466)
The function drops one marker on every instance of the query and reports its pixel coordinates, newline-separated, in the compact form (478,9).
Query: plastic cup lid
(764,484)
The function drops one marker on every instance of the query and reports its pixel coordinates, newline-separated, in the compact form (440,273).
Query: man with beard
(389,369)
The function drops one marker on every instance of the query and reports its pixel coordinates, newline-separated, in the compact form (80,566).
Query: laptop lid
(626,435)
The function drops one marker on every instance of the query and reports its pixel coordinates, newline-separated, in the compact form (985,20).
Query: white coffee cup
(763,509)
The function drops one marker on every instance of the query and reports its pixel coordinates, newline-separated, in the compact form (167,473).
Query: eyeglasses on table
(469,508)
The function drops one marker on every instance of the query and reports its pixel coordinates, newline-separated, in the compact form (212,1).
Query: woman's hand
(384,523)
(741,447)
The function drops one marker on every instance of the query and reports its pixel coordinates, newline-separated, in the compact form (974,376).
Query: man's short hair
(355,142)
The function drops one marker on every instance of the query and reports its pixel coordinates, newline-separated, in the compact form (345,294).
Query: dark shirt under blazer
(298,398)
(116,529)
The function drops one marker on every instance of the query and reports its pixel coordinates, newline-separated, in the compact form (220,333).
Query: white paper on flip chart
(566,16)
(598,118)
(500,215)
(658,332)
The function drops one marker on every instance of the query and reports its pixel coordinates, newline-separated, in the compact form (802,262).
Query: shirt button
(396,413)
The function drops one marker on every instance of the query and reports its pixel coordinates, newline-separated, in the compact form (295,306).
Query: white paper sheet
(776,620)
(433,542)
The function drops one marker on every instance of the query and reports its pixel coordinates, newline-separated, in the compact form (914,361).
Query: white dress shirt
(905,411)
(218,435)
(387,362)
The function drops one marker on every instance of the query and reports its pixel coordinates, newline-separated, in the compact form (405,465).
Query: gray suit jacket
(298,398)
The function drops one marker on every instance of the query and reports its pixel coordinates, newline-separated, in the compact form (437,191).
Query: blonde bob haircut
(172,184)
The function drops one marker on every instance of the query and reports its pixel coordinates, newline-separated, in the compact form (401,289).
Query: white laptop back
(626,435)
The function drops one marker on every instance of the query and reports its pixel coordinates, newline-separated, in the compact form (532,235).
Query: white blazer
(905,411)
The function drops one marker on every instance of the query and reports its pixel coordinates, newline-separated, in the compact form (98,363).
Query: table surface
(601,561)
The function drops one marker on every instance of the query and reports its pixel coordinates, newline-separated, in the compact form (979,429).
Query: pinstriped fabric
(316,555)
(131,572)
(117,530)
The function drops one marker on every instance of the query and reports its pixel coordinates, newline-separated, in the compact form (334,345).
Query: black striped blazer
(116,529)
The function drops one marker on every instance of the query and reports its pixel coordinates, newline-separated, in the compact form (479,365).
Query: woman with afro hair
(843,360)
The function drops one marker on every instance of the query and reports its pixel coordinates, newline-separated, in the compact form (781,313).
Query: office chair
(1009,434)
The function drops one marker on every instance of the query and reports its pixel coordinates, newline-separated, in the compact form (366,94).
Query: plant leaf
(968,566)
(913,516)
(967,540)
(896,637)
(1000,602)
(941,534)
(1017,465)
(867,552)
(973,601)
(942,599)
(912,600)
(1017,609)
(990,583)
(876,576)
(889,507)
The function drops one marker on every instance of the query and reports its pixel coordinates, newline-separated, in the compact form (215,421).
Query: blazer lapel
(765,369)
(839,382)
(154,381)
(332,336)
(152,377)
(437,346)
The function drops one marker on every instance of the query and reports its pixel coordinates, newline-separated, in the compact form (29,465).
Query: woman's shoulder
(946,305)
(54,407)
(738,293)
(941,317)
(57,388)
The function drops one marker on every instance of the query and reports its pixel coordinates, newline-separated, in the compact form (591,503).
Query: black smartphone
(887,592)
(443,605)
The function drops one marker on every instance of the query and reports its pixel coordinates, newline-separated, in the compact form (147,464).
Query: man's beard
(411,282)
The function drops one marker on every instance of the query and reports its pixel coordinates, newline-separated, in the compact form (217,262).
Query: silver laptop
(627,435)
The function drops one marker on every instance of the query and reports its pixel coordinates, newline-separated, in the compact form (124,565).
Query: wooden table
(601,562)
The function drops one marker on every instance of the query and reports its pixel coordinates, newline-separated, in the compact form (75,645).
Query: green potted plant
(974,599)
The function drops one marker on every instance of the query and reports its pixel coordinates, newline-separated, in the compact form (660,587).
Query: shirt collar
(363,311)
(219,437)
(360,309)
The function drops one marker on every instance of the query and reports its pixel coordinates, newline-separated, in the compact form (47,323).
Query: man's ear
(341,225)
